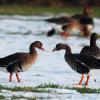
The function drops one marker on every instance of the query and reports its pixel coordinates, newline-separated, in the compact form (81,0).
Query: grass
(42,88)
(2,97)
(23,98)
(80,90)
(26,89)
(17,98)
(50,85)
(85,90)
(30,10)
(98,36)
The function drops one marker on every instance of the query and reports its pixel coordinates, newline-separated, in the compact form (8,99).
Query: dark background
(51,2)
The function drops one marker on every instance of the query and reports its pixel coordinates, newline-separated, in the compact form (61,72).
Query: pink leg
(17,77)
(10,77)
(88,77)
(80,83)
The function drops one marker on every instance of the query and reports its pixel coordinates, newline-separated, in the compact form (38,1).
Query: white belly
(3,69)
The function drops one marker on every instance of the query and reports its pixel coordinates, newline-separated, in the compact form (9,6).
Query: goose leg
(82,77)
(88,77)
(10,77)
(17,77)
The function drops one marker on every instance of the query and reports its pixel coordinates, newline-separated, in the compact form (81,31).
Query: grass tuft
(2,97)
(26,89)
(85,90)
(50,85)
(23,98)
(42,88)
(80,90)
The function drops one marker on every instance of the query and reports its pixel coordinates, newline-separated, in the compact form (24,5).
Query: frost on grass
(26,89)
(46,88)
(50,85)
(22,97)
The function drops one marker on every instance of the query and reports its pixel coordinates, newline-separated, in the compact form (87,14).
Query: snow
(50,67)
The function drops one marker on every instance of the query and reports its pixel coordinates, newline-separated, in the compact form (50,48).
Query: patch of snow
(49,67)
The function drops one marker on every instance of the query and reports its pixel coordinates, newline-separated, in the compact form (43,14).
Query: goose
(20,61)
(79,62)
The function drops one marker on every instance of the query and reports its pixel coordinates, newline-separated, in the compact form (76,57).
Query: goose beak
(54,50)
(42,49)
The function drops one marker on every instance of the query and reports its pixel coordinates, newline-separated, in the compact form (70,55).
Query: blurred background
(50,3)
(43,6)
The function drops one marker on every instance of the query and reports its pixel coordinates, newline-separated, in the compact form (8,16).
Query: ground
(50,78)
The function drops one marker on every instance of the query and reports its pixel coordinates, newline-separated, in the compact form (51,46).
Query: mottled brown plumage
(76,27)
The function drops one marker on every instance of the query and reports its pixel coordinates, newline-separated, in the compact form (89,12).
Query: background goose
(85,17)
